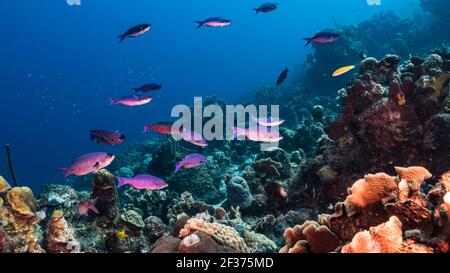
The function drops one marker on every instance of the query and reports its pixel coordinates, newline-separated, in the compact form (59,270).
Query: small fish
(132,100)
(148,87)
(194,138)
(343,70)
(122,234)
(135,31)
(190,161)
(214,22)
(258,134)
(282,76)
(268,7)
(323,37)
(107,137)
(143,182)
(276,190)
(84,207)
(164,128)
(89,163)
(268,121)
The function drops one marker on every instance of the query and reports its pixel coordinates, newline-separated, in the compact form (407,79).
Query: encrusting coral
(20,230)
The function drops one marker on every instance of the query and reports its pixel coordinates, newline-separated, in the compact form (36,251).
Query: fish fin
(178,167)
(308,41)
(96,167)
(94,209)
(122,181)
(64,171)
(200,24)
(122,37)
(93,136)
(257,10)
(94,202)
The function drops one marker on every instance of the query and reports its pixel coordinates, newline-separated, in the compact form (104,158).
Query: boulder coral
(226,235)
(239,194)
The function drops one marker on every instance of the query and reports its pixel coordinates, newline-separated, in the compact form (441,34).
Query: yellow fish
(343,70)
(122,234)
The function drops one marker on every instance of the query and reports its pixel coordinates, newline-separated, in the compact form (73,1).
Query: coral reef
(20,230)
(382,223)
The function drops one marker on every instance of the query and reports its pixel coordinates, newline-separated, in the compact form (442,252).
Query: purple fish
(89,163)
(132,100)
(194,138)
(268,121)
(323,37)
(190,161)
(214,22)
(143,182)
(258,134)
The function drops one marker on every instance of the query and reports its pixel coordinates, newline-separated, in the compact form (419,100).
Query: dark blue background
(59,65)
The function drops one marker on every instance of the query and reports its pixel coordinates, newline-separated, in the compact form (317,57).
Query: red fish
(89,163)
(163,128)
(84,207)
(276,190)
(107,137)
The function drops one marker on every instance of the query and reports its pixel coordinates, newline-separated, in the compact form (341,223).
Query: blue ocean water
(60,64)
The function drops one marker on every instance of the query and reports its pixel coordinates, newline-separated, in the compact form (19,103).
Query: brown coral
(4,186)
(384,238)
(17,216)
(60,236)
(21,201)
(319,238)
(373,189)
(225,235)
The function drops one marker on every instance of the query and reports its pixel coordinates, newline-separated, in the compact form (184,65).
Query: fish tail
(200,24)
(64,171)
(121,37)
(92,206)
(308,41)
(146,129)
(122,181)
(257,10)
(112,101)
